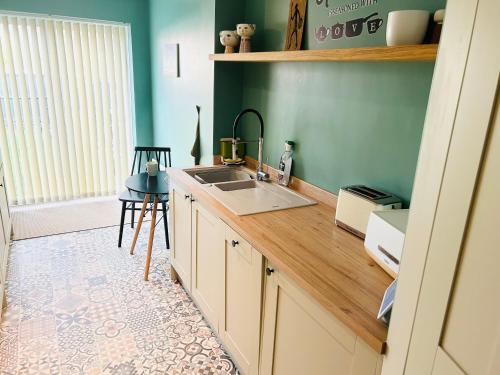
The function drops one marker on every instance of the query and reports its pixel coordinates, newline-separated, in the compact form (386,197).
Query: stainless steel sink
(221,175)
(237,185)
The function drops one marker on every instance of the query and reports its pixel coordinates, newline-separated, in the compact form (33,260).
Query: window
(65,108)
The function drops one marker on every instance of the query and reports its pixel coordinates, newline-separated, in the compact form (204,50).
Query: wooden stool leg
(151,238)
(139,223)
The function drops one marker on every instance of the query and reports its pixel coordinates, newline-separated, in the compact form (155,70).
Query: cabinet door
(241,318)
(300,337)
(207,267)
(4,208)
(3,268)
(180,221)
(4,239)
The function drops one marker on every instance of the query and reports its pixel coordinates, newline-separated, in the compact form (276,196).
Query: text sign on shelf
(355,23)
(334,21)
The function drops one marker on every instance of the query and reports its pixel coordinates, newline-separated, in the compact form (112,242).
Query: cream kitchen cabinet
(268,324)
(207,275)
(180,229)
(197,256)
(300,337)
(241,314)
(223,274)
(5,232)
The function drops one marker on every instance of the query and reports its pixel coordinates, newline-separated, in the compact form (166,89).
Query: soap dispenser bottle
(285,165)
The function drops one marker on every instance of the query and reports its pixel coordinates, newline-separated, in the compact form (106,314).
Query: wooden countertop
(326,261)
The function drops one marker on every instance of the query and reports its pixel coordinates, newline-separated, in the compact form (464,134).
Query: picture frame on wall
(170,60)
(296,23)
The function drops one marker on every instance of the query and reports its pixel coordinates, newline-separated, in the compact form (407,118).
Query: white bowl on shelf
(406,27)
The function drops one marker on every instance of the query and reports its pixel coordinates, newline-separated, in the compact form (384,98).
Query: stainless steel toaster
(355,204)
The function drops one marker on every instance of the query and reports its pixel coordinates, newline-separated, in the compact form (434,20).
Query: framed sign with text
(355,23)
(343,21)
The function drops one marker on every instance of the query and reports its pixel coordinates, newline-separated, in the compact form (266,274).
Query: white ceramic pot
(152,168)
(405,27)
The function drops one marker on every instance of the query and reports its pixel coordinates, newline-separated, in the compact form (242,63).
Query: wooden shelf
(423,52)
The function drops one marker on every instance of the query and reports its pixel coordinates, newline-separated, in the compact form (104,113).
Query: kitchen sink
(237,185)
(219,174)
(238,190)
(252,196)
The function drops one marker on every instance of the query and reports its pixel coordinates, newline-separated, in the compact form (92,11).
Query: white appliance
(385,238)
(355,203)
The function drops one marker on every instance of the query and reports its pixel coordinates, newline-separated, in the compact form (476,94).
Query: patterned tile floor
(77,304)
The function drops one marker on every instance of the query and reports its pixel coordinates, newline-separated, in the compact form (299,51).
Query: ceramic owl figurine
(229,39)
(245,31)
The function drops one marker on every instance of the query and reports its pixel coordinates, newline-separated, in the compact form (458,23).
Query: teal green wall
(134,12)
(352,122)
(228,83)
(190,23)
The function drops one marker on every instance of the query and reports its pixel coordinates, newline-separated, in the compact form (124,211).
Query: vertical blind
(65,108)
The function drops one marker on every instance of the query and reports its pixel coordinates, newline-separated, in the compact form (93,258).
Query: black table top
(142,183)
